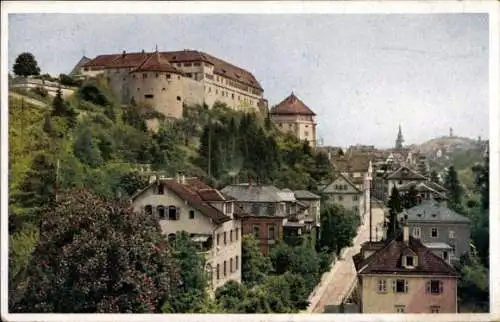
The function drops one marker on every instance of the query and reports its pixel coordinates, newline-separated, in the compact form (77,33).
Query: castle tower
(399,139)
(292,115)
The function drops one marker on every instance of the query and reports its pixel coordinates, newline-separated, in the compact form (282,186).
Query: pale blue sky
(361,74)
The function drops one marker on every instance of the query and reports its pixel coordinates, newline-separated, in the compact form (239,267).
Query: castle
(167,80)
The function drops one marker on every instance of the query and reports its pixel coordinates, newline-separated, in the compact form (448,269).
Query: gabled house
(401,275)
(435,224)
(344,192)
(188,204)
(403,175)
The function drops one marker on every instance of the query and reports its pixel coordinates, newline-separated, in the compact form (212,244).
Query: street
(338,281)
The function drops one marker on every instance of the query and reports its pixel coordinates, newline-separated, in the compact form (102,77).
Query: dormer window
(409,261)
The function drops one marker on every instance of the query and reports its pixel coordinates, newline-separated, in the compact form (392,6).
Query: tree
(26,65)
(473,284)
(338,228)
(254,266)
(411,198)
(190,291)
(395,208)
(96,256)
(434,177)
(455,190)
(63,110)
(482,181)
(86,148)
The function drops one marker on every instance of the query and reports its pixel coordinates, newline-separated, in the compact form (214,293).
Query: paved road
(339,280)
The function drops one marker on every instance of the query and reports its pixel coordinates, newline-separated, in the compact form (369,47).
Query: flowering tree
(95,255)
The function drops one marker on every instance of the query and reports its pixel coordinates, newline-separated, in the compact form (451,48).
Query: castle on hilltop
(166,81)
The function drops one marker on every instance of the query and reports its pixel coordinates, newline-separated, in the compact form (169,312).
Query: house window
(231,265)
(435,309)
(163,89)
(157,75)
(173,213)
(434,232)
(218,239)
(445,255)
(399,308)
(340,198)
(161,212)
(187,64)
(237,233)
(382,286)
(168,76)
(451,234)
(453,249)
(228,208)
(435,287)
(416,232)
(225,268)
(271,232)
(355,198)
(409,261)
(256,231)
(148,210)
(218,271)
(160,189)
(400,286)
(189,75)
(236,263)
(225,238)
(231,236)
(149,96)
(144,75)
(232,96)
(191,214)
(306,133)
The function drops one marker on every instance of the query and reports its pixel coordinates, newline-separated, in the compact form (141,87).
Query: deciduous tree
(26,65)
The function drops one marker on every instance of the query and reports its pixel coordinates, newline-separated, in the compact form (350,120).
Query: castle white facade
(167,80)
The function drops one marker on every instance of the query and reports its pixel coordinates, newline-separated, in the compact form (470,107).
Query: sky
(362,74)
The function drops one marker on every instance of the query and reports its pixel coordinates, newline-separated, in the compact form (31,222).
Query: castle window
(218,271)
(236,264)
(144,75)
(231,265)
(225,268)
(168,76)
(307,125)
(178,98)
(149,96)
(163,89)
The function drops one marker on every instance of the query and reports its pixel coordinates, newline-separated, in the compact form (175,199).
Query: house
(293,116)
(268,212)
(188,204)
(167,80)
(425,190)
(312,202)
(344,192)
(401,176)
(432,222)
(401,275)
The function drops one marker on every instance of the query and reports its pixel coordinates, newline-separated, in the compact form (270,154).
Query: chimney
(406,230)
(124,53)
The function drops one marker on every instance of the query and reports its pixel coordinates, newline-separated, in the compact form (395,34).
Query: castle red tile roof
(157,63)
(221,67)
(388,259)
(292,105)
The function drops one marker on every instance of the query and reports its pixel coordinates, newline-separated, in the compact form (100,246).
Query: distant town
(165,182)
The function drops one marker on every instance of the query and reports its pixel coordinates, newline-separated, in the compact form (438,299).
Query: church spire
(399,139)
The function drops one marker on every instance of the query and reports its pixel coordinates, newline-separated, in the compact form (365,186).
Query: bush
(69,81)
(40,91)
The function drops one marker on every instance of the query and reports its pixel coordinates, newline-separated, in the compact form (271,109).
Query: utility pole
(370,177)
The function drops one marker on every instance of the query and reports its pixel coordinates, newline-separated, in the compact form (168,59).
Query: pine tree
(434,177)
(455,190)
(395,208)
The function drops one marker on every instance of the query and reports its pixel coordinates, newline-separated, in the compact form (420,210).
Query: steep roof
(221,67)
(292,105)
(432,211)
(80,63)
(253,193)
(352,162)
(306,195)
(190,192)
(340,175)
(405,173)
(157,63)
(387,260)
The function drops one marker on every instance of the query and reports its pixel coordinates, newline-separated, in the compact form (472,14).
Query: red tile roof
(221,67)
(157,63)
(190,192)
(387,260)
(292,105)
